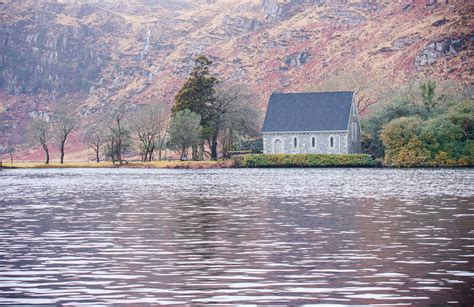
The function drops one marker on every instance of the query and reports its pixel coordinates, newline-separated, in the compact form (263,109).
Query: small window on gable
(331,141)
(313,142)
(295,142)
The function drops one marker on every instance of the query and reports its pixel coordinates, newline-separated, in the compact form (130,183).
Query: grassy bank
(245,161)
(306,160)
(153,164)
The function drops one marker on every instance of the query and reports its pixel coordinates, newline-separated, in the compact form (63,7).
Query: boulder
(238,25)
(404,41)
(447,47)
(296,59)
(439,23)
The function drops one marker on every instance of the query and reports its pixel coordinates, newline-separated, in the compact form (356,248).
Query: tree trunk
(150,154)
(11,158)
(61,148)
(119,151)
(214,147)
(112,151)
(62,153)
(201,151)
(47,154)
(97,154)
(119,143)
(228,144)
(194,152)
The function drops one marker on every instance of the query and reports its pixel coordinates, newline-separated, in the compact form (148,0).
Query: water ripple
(305,236)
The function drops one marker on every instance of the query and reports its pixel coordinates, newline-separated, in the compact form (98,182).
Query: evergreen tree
(428,95)
(198,95)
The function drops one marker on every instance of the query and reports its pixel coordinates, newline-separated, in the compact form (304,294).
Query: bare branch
(40,132)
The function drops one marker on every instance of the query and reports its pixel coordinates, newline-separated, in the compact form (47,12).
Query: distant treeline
(422,124)
(207,116)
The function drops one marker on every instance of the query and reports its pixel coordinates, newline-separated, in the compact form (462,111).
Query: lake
(237,236)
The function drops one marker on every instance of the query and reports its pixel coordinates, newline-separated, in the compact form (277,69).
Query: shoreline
(226,164)
(240,162)
(151,165)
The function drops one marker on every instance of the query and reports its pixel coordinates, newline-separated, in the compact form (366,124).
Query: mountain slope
(96,52)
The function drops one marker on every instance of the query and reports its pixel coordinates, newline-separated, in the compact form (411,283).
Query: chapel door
(278,147)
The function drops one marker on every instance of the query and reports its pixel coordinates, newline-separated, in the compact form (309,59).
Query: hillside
(95,52)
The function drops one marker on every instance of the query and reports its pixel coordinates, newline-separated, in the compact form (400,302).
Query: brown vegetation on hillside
(97,53)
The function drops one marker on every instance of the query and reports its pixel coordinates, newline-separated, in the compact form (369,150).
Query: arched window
(331,142)
(313,142)
(295,142)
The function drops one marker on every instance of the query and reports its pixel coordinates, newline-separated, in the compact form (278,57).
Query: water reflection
(343,236)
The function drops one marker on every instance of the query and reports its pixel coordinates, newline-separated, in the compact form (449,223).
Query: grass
(134,164)
(251,160)
(57,165)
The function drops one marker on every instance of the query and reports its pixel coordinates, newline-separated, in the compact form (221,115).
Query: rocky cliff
(95,52)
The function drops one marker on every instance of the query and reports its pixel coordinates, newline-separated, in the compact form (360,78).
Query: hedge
(306,160)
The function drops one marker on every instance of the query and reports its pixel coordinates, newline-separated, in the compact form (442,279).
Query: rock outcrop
(296,59)
(448,47)
(234,26)
(95,53)
(41,54)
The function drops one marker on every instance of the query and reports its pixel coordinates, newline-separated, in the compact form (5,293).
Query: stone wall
(304,143)
(354,144)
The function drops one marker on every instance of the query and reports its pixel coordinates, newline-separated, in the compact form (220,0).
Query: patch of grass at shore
(307,160)
(58,165)
(105,164)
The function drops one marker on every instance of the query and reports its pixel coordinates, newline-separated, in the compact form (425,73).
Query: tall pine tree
(198,96)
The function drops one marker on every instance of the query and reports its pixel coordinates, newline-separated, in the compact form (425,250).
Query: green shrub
(306,160)
(443,140)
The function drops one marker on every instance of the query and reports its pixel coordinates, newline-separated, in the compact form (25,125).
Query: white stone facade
(331,142)
(316,142)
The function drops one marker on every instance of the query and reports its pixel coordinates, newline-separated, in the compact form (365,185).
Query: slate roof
(322,111)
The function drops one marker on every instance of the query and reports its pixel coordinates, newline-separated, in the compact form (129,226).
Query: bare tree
(95,137)
(366,93)
(118,133)
(185,132)
(162,138)
(11,152)
(40,131)
(233,115)
(64,123)
(110,146)
(242,124)
(150,125)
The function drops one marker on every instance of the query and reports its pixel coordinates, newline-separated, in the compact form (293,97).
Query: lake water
(288,236)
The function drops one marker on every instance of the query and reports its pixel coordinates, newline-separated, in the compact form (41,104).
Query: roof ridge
(308,111)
